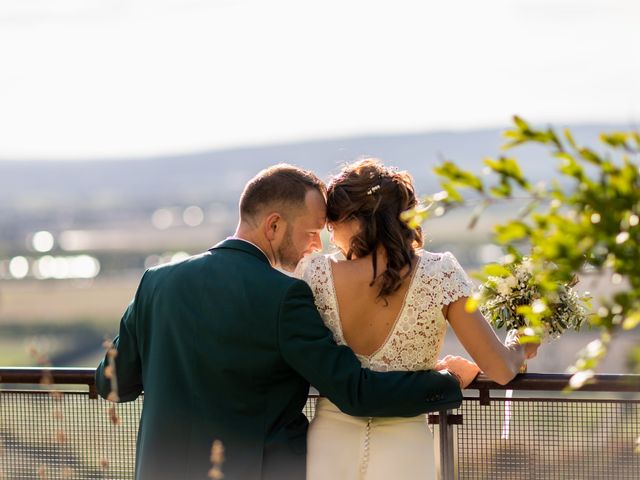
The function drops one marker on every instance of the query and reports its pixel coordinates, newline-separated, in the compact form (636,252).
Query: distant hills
(122,194)
(220,175)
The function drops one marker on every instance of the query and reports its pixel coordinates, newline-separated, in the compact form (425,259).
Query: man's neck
(252,237)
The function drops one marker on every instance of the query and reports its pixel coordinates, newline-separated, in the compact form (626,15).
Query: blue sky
(83,79)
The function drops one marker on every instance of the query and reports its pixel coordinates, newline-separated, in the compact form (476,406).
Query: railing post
(445,469)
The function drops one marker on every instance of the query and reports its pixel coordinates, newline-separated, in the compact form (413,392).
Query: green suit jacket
(225,347)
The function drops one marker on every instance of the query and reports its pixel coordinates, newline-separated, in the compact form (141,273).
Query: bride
(390,301)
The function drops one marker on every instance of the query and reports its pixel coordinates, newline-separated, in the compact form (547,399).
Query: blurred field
(39,303)
(65,321)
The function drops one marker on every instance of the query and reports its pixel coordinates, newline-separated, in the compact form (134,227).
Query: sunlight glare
(42,241)
(18,267)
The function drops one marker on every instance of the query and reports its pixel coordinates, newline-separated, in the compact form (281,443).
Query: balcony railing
(53,425)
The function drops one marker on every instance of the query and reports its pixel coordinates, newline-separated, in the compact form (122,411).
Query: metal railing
(53,425)
(543,433)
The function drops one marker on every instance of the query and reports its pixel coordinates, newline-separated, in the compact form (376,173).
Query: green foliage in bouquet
(586,220)
(509,298)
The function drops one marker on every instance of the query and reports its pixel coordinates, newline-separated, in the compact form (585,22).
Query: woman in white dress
(390,301)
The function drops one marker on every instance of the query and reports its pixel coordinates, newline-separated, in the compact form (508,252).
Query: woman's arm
(500,362)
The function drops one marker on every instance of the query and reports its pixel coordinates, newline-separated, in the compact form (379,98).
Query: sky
(88,79)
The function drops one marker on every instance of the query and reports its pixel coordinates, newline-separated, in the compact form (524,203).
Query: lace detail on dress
(456,283)
(415,341)
(316,271)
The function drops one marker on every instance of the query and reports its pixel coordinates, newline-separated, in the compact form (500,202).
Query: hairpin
(373,189)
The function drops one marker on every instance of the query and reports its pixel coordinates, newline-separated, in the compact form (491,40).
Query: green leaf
(615,139)
(507,167)
(569,137)
(570,166)
(454,195)
(529,339)
(632,321)
(511,231)
(520,123)
(471,304)
(416,216)
(503,190)
(496,270)
(590,156)
(457,176)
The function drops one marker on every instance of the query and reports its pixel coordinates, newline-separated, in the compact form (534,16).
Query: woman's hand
(513,340)
(464,369)
(499,361)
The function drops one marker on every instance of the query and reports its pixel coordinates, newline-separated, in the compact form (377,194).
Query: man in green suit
(225,346)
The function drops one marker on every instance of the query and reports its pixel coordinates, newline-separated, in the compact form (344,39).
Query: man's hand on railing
(464,370)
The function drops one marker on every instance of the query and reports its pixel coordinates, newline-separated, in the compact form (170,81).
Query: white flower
(538,306)
(504,286)
(579,379)
(594,349)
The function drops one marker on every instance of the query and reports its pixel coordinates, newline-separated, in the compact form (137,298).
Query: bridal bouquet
(513,300)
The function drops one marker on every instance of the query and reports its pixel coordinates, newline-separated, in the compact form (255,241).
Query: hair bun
(377,195)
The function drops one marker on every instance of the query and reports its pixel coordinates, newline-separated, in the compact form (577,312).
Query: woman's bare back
(366,319)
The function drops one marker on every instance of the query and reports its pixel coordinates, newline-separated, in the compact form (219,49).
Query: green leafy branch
(588,222)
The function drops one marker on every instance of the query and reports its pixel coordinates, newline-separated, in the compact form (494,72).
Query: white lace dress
(345,447)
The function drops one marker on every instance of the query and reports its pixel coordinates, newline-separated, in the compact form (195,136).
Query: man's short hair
(282,187)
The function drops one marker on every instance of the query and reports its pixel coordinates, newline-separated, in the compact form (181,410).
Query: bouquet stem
(523,367)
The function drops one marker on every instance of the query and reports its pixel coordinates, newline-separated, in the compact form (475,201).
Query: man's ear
(272,225)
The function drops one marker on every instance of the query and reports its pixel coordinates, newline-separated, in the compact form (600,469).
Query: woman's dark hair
(377,196)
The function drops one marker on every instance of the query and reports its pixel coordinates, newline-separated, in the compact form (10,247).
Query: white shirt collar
(250,243)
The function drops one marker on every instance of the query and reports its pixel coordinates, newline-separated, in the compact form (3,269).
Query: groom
(225,347)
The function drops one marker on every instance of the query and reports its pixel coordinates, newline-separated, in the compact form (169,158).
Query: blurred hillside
(219,175)
(121,194)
